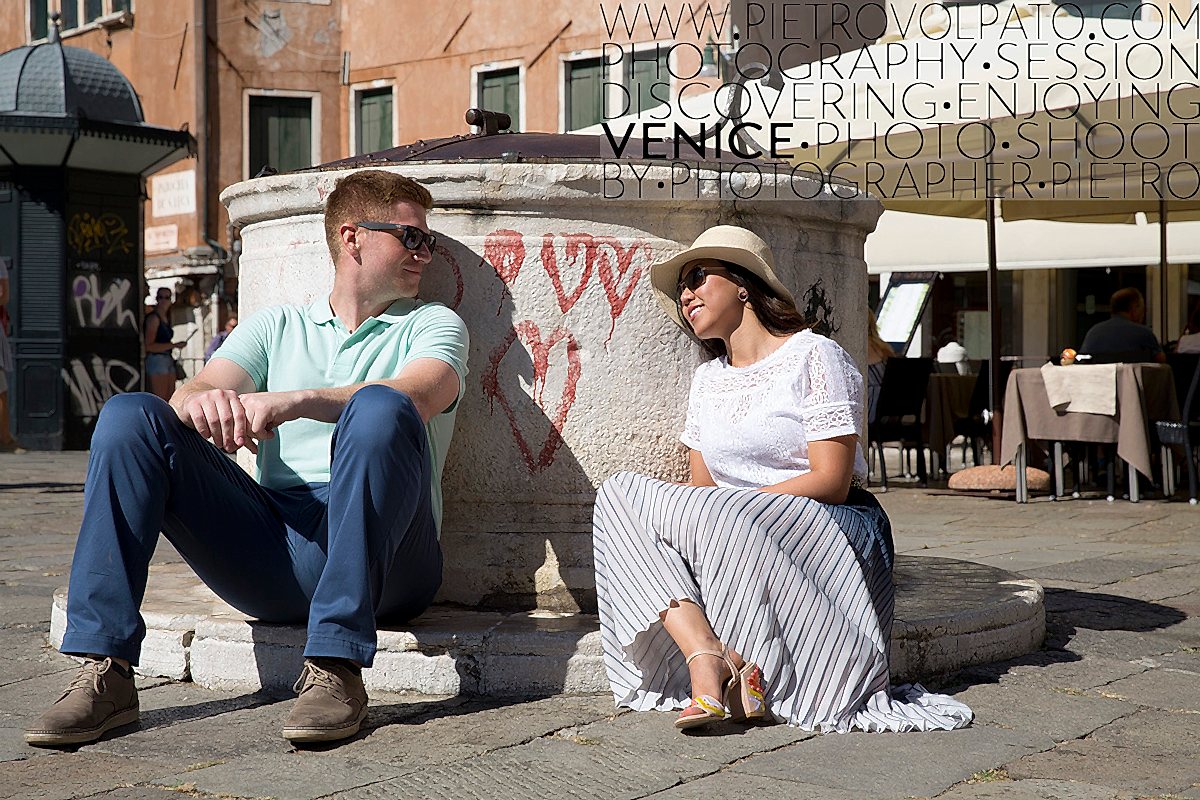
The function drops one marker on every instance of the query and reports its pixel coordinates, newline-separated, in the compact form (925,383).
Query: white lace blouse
(753,424)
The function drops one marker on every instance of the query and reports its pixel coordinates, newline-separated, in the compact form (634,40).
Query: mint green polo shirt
(284,348)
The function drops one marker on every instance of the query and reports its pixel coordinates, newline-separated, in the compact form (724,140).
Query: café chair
(976,427)
(898,411)
(1186,433)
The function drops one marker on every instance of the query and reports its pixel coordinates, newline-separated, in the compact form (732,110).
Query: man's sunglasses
(694,278)
(410,236)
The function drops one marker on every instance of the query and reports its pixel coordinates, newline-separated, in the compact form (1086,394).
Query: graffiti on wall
(818,310)
(540,350)
(572,262)
(109,307)
(452,262)
(106,234)
(91,381)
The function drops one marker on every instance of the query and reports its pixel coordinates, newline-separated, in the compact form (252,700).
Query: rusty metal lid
(492,144)
(530,148)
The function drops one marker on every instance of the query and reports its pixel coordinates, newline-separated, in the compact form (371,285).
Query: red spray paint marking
(579,245)
(529,334)
(504,250)
(440,250)
(609,250)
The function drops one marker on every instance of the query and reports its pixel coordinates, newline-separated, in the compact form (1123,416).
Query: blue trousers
(338,555)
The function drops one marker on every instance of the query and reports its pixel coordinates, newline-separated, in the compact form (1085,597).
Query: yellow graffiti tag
(107,233)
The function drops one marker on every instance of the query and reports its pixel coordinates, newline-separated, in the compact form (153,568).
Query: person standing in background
(7,443)
(160,350)
(220,338)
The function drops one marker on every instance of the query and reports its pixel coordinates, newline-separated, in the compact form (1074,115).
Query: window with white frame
(74,14)
(500,90)
(587,100)
(280,132)
(584,92)
(373,120)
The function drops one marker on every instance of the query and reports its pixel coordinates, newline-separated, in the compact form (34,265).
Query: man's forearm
(326,405)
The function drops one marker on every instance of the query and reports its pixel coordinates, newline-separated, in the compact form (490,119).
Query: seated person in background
(954,353)
(1189,342)
(1125,332)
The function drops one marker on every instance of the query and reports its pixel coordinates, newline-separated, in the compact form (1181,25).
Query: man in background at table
(1124,336)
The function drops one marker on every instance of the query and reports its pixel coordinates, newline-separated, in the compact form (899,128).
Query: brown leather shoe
(332,702)
(98,700)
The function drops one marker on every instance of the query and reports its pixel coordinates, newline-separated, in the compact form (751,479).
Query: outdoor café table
(947,401)
(1145,392)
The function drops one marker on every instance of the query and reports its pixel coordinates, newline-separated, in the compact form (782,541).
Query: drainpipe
(203,149)
(200,48)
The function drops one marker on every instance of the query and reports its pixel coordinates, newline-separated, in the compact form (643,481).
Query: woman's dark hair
(777,314)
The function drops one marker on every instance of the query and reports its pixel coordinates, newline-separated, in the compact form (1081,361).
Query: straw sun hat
(727,243)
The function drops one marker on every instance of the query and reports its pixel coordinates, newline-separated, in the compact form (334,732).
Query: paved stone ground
(1109,708)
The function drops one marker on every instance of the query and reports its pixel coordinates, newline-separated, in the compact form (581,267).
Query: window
(279,133)
(642,71)
(500,90)
(39,20)
(74,14)
(373,130)
(584,93)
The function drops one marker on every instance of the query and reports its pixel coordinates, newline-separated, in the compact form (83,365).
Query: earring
(743,296)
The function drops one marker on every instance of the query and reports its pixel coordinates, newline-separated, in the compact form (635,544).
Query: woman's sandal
(744,695)
(706,709)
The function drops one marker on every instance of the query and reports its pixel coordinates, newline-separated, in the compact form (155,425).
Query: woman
(878,352)
(160,359)
(763,587)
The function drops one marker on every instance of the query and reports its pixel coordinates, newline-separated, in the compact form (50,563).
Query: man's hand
(219,415)
(265,411)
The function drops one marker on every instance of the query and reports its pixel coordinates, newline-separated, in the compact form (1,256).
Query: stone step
(949,614)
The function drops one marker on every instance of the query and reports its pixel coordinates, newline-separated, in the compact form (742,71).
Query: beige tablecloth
(1145,392)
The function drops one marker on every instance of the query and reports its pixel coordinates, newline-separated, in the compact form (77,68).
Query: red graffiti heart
(578,246)
(615,264)
(504,250)
(539,351)
(452,262)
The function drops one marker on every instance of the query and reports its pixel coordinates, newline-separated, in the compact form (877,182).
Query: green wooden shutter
(501,91)
(585,93)
(643,73)
(374,126)
(280,133)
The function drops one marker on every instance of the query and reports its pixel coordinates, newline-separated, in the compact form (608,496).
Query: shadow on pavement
(164,717)
(1067,612)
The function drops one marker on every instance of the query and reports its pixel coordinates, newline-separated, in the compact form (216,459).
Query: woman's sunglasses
(694,278)
(410,236)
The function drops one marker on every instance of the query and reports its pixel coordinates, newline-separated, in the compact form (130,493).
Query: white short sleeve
(691,424)
(832,401)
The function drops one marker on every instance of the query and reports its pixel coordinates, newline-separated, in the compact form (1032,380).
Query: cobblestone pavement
(1109,708)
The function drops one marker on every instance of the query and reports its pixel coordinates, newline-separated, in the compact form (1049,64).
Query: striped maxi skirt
(802,588)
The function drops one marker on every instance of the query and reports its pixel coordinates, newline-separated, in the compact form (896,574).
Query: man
(349,405)
(1124,336)
(220,338)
